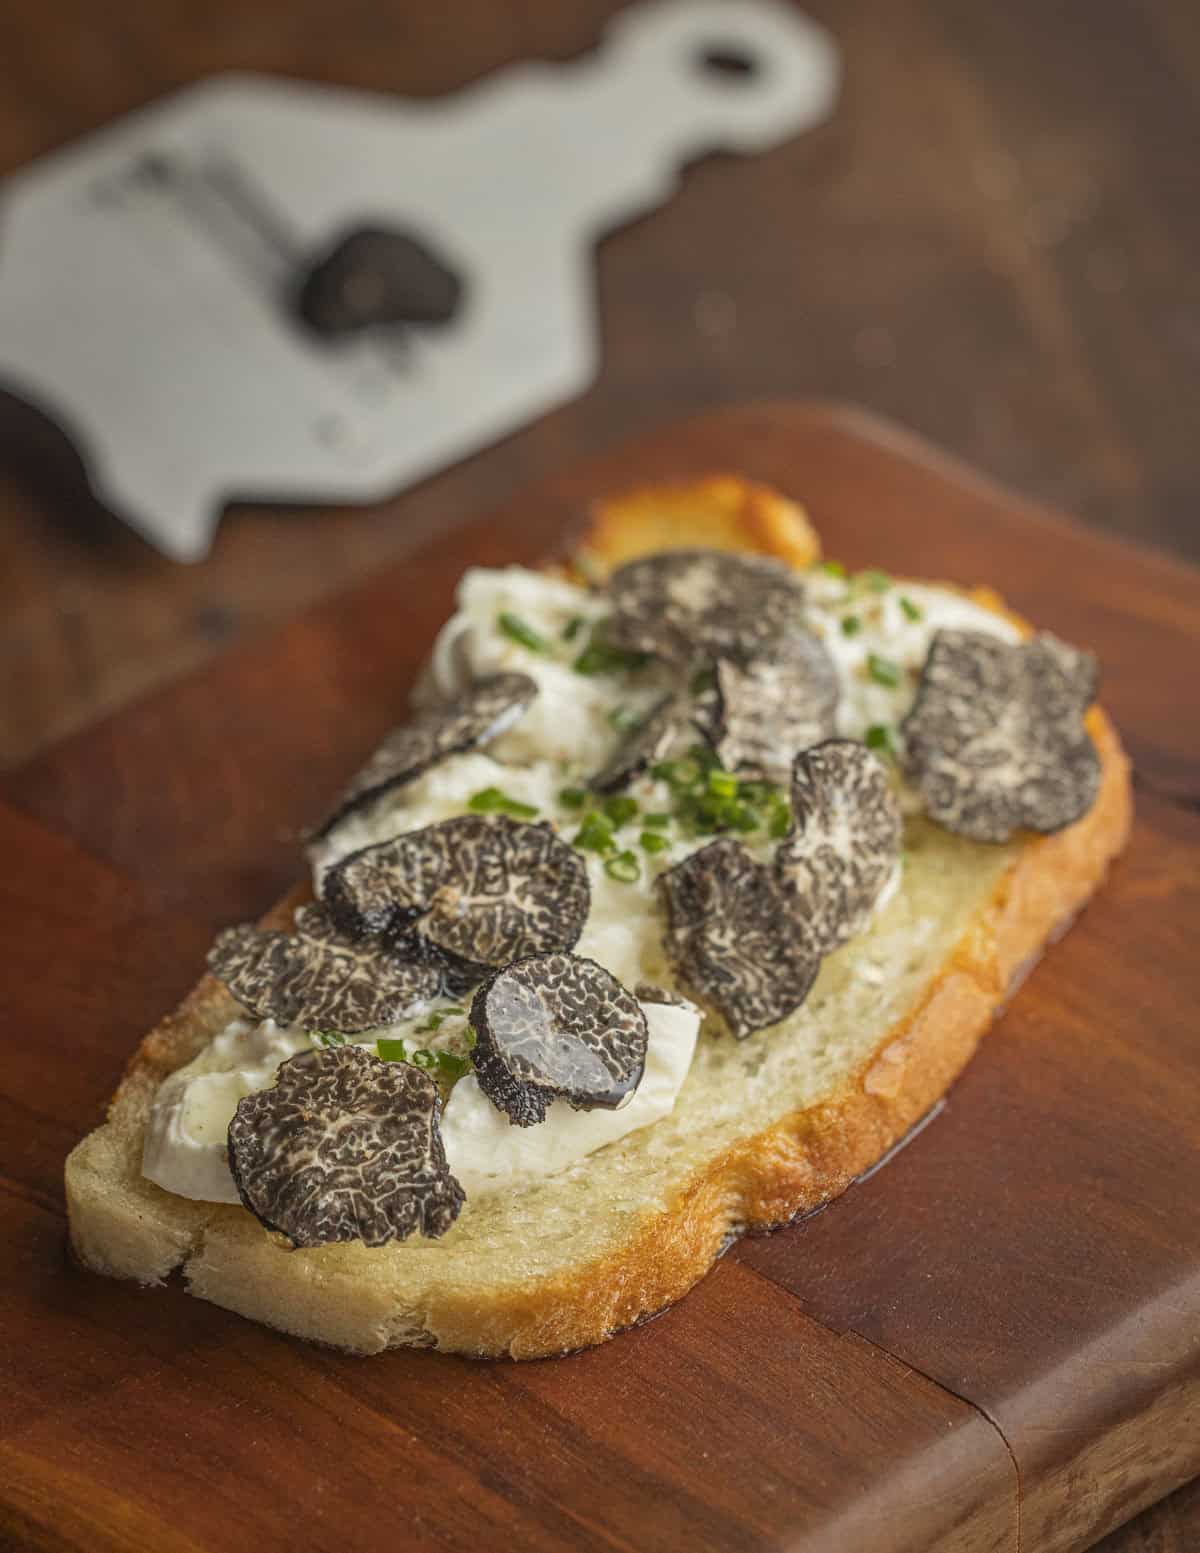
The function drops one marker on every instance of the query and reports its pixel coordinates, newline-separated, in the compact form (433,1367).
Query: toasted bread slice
(762,1130)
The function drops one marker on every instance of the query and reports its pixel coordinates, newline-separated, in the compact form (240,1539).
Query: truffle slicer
(150,275)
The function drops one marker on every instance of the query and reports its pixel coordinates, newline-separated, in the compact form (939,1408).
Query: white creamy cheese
(485,1151)
(185,1148)
(565,735)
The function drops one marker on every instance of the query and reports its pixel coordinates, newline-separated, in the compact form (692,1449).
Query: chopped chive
(572,628)
(595,834)
(911,610)
(491,800)
(521,631)
(743,818)
(705,757)
(780,822)
(653,841)
(624,867)
(422,1058)
(875,581)
(702,680)
(677,773)
(833,568)
(620,808)
(391,1050)
(883,671)
(472,1039)
(851,625)
(656,820)
(329,1037)
(451,1064)
(722,784)
(623,720)
(602,657)
(573,797)
(879,737)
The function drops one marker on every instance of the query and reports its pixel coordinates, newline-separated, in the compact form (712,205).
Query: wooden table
(992,241)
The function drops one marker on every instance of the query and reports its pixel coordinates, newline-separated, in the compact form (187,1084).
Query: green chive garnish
(911,610)
(520,631)
(879,737)
(391,1050)
(883,671)
(572,628)
(876,581)
(851,625)
(595,834)
(624,867)
(491,800)
(451,1065)
(722,784)
(423,1059)
(573,797)
(601,657)
(677,773)
(653,841)
(833,568)
(780,822)
(329,1037)
(620,808)
(656,820)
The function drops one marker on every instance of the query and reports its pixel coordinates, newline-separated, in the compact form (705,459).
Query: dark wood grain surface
(992,241)
(1007,1314)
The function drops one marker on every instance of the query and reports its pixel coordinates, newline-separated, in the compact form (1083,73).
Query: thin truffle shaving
(483,888)
(729,939)
(556,1025)
(762,713)
(683,603)
(320,979)
(747,937)
(995,742)
(344,1147)
(843,845)
(484,711)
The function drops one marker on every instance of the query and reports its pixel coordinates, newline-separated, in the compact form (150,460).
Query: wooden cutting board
(992,1343)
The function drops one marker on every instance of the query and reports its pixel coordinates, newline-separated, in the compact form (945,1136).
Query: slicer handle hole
(729,62)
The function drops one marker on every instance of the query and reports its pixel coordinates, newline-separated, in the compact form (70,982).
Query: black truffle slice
(995,742)
(685,602)
(843,845)
(320,979)
(344,1147)
(731,941)
(483,888)
(762,713)
(555,1025)
(646,743)
(484,711)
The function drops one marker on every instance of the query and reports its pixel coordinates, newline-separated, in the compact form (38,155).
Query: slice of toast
(762,1130)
